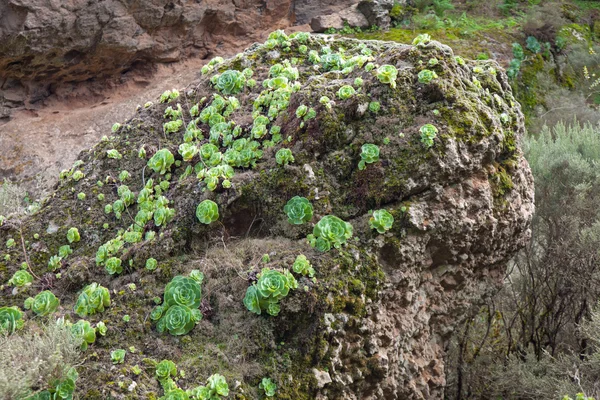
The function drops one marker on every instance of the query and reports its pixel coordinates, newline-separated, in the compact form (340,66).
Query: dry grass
(30,360)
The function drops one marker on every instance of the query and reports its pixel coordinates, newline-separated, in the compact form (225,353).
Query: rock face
(376,319)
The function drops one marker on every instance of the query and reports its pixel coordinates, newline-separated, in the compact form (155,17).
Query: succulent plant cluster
(271,287)
(179,311)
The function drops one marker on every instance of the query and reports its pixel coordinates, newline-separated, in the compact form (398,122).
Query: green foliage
(81,196)
(426,76)
(533,45)
(345,92)
(101,328)
(329,232)
(179,312)
(21,278)
(216,387)
(151,264)
(374,106)
(117,356)
(381,220)
(169,96)
(116,126)
(196,275)
(268,386)
(85,334)
(207,212)
(161,161)
(302,266)
(113,153)
(54,263)
(11,319)
(230,82)
(428,134)
(43,304)
(93,299)
(272,286)
(73,235)
(387,74)
(299,210)
(113,265)
(369,154)
(10,243)
(421,40)
(284,156)
(188,151)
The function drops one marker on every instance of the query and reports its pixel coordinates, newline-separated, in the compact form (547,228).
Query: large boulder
(376,318)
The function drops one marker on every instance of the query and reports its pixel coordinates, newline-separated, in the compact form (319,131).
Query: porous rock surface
(376,320)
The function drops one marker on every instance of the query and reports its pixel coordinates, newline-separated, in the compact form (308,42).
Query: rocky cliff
(374,321)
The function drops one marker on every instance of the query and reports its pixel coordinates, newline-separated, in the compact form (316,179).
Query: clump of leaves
(83,331)
(216,387)
(117,356)
(113,265)
(284,156)
(345,92)
(374,106)
(381,220)
(93,299)
(368,155)
(230,82)
(330,231)
(161,161)
(151,264)
(421,40)
(101,328)
(43,304)
(268,386)
(387,74)
(266,293)
(428,133)
(179,312)
(302,266)
(207,211)
(299,210)
(21,278)
(73,235)
(11,319)
(426,76)
(169,96)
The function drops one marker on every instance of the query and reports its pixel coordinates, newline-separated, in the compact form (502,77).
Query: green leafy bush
(428,133)
(93,299)
(369,154)
(284,156)
(207,212)
(271,287)
(302,266)
(387,74)
(329,232)
(21,278)
(381,220)
(268,386)
(11,319)
(299,210)
(43,304)
(179,312)
(161,161)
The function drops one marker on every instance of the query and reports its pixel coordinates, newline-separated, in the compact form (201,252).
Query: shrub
(299,210)
(266,293)
(93,299)
(330,231)
(40,359)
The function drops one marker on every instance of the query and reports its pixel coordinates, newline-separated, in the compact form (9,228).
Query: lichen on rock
(375,320)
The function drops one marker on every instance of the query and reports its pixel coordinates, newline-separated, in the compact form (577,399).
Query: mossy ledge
(376,320)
